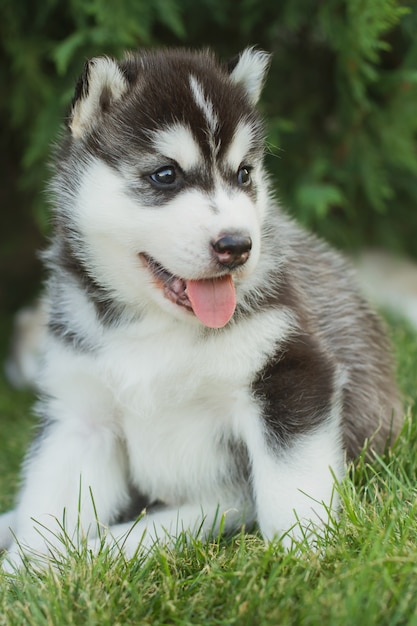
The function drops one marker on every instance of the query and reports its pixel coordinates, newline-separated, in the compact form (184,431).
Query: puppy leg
(7,521)
(294,486)
(164,526)
(294,438)
(75,475)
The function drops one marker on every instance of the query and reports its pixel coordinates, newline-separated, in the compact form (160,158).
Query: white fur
(152,403)
(155,400)
(141,389)
(390,281)
(250,72)
(115,238)
(240,145)
(294,488)
(29,332)
(204,103)
(178,142)
(104,73)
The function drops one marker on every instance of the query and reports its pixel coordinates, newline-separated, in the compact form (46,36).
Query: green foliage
(44,45)
(340,101)
(349,167)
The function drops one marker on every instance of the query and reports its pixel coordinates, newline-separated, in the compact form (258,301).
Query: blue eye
(243,176)
(165,176)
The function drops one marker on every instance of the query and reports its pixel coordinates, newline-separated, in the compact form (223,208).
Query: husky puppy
(206,359)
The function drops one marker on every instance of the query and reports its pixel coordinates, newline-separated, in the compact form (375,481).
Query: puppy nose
(233,249)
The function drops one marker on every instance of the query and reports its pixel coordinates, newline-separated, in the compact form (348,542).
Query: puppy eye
(164,176)
(243,176)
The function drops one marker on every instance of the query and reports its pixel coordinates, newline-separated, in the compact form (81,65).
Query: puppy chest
(182,450)
(180,404)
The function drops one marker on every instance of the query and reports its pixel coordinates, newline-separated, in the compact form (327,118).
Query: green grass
(366,575)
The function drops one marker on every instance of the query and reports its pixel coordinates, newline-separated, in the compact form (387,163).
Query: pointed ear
(101,84)
(249,70)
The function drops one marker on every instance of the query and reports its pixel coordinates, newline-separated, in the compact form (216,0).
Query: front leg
(294,440)
(75,475)
(294,487)
(163,526)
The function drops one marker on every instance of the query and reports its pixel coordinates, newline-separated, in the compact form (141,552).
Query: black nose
(232,250)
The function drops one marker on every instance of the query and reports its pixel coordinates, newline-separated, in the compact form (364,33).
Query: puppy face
(170,204)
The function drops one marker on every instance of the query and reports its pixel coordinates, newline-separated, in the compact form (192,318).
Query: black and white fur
(249,422)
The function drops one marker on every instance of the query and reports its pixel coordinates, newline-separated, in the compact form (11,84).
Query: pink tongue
(213,300)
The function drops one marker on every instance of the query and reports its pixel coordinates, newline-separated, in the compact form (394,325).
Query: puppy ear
(249,69)
(101,84)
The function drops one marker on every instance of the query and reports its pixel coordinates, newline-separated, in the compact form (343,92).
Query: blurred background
(340,105)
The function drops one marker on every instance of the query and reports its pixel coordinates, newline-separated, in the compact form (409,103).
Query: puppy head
(163,168)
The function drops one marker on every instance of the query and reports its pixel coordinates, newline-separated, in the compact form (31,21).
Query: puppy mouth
(173,287)
(211,300)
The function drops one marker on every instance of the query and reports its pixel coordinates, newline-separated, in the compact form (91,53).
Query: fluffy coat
(206,358)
